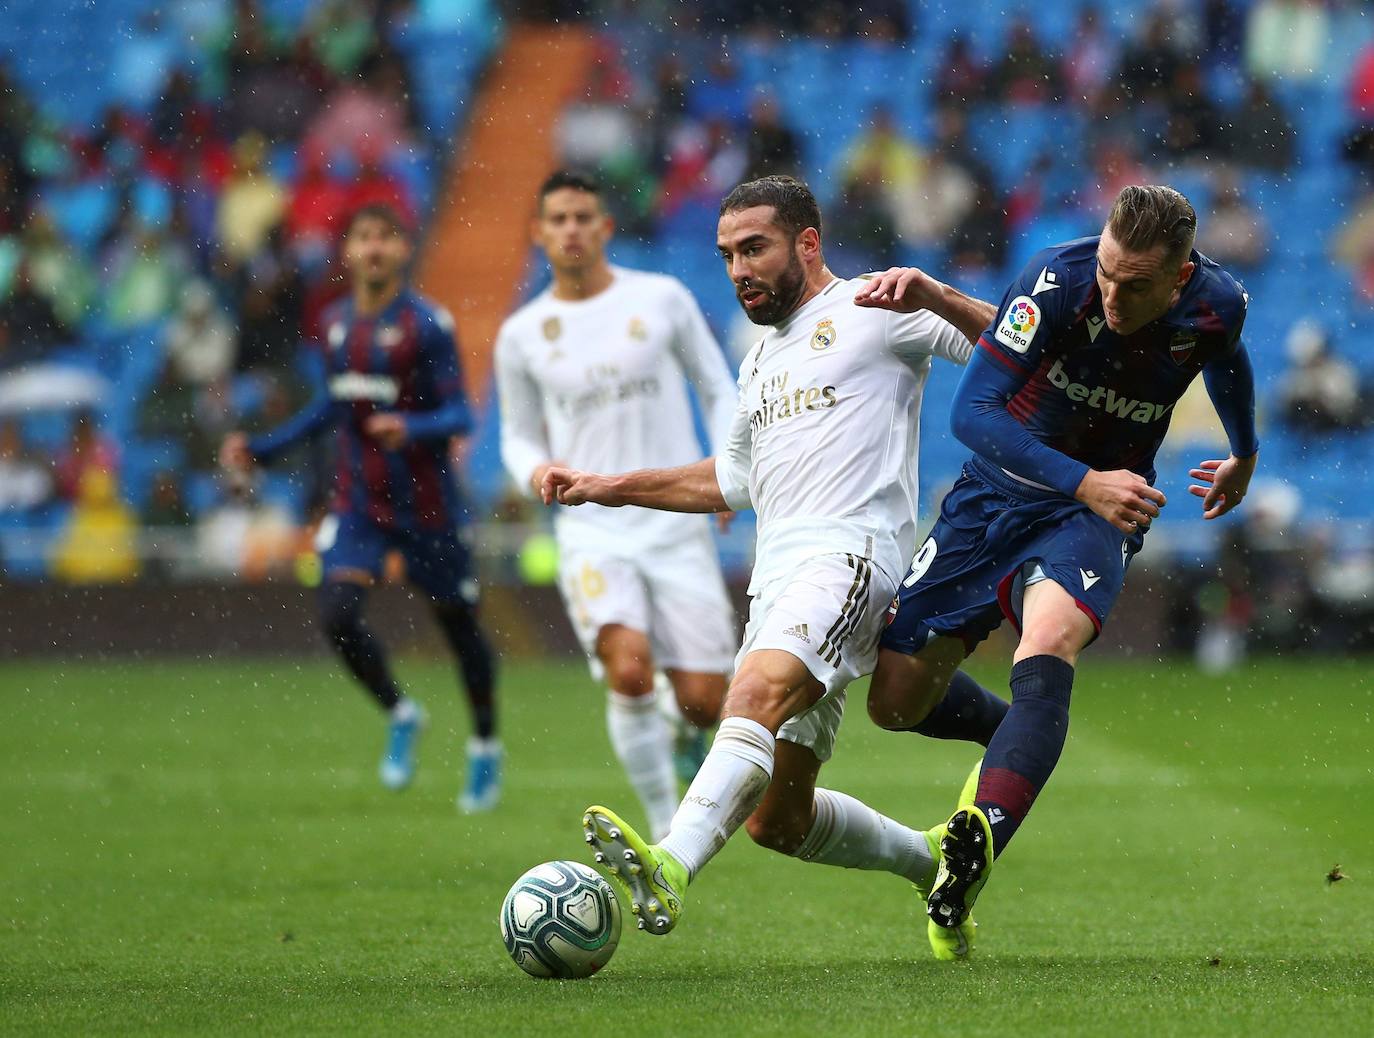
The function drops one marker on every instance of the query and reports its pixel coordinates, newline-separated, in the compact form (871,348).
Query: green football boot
(969,793)
(964,864)
(951,945)
(651,879)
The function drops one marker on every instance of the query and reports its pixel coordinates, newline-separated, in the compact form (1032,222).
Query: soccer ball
(560,920)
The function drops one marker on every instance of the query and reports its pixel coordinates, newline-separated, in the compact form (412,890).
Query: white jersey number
(925,555)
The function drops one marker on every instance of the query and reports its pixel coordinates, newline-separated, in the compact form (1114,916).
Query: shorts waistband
(1016,486)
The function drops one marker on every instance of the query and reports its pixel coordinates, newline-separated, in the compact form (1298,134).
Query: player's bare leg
(926,692)
(700,696)
(905,689)
(639,733)
(1023,752)
(342,598)
(831,828)
(693,710)
(827,827)
(770,687)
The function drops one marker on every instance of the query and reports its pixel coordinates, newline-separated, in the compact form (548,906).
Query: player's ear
(810,243)
(1185,272)
(608,226)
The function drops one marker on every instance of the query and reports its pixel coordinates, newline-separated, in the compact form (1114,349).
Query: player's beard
(782,297)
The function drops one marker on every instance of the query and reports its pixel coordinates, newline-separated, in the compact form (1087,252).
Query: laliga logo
(1021,317)
(1018,324)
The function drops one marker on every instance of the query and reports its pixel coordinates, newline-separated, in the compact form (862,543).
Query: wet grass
(204,848)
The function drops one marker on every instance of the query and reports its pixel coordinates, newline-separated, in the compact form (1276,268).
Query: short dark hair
(1144,217)
(794,206)
(573,178)
(388,214)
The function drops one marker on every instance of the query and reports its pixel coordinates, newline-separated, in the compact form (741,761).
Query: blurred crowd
(198,229)
(191,237)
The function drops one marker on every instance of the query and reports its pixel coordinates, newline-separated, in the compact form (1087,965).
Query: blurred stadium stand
(115,168)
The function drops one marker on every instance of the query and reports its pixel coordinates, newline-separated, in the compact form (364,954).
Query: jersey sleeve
(1007,355)
(1026,320)
(309,421)
(912,337)
(1230,381)
(439,353)
(524,443)
(703,362)
(734,458)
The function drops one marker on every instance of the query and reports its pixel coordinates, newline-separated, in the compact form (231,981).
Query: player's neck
(369,301)
(816,283)
(575,285)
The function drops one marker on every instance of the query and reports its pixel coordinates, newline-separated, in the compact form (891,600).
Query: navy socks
(968,712)
(1026,746)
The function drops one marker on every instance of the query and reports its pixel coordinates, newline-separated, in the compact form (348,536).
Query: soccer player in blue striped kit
(1064,405)
(393,396)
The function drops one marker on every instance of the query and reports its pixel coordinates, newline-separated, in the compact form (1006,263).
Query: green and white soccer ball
(562,920)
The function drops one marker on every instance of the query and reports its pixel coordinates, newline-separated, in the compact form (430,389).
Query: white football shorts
(828,612)
(675,595)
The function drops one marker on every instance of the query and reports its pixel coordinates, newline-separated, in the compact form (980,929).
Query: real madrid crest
(824,336)
(553,328)
(639,331)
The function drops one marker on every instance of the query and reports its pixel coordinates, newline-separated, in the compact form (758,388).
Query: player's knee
(1062,640)
(700,699)
(781,831)
(759,698)
(901,697)
(629,675)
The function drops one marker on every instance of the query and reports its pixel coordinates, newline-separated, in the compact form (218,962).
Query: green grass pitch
(204,848)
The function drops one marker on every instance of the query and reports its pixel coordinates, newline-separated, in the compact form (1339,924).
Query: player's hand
(537,476)
(723,521)
(388,429)
(234,455)
(1121,497)
(571,487)
(901,289)
(1224,484)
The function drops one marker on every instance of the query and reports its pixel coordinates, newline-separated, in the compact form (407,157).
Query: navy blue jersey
(405,361)
(1099,398)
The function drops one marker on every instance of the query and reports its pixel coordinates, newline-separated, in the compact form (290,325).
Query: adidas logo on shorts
(798,631)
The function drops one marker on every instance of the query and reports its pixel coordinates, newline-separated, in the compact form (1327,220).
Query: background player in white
(591,373)
(823,445)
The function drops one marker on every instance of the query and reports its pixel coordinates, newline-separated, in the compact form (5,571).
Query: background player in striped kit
(393,396)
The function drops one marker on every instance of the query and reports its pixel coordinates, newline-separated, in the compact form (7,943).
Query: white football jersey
(824,438)
(598,384)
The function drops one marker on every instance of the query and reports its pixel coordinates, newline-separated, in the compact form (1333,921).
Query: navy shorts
(991,533)
(437,561)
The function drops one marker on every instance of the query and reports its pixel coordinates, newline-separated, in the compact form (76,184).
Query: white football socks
(725,792)
(643,743)
(850,834)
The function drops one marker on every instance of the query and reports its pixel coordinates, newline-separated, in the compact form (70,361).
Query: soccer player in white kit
(823,445)
(590,373)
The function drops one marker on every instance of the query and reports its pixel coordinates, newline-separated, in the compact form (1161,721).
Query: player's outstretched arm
(1221,484)
(312,419)
(687,488)
(906,290)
